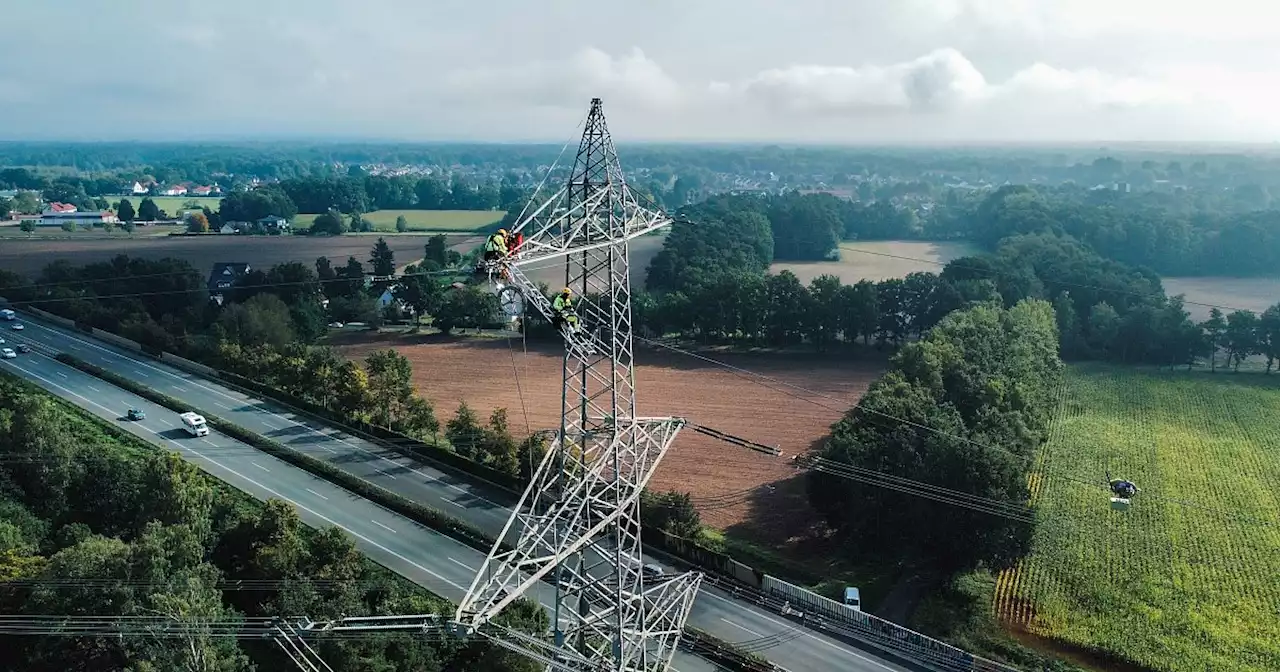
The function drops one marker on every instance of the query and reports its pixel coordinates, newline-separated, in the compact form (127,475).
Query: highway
(439,563)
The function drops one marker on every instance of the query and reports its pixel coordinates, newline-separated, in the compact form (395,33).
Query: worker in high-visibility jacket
(562,309)
(496,247)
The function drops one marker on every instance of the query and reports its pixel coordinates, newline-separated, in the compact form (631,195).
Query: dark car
(23,347)
(136,414)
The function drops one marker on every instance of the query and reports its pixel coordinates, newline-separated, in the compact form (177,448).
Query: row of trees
(92,525)
(963,408)
(1177,234)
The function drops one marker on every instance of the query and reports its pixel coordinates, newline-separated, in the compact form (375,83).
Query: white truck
(8,315)
(194,424)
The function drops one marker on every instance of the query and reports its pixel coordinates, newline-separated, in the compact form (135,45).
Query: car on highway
(1,341)
(17,326)
(136,414)
(652,571)
(8,353)
(24,348)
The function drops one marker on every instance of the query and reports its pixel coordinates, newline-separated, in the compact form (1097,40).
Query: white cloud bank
(942,87)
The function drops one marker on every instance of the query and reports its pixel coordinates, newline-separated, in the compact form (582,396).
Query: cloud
(936,81)
(941,82)
(633,79)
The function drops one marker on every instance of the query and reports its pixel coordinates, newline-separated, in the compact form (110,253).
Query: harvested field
(880,260)
(481,372)
(28,257)
(642,251)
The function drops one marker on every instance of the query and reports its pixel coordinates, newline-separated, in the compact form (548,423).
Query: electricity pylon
(578,522)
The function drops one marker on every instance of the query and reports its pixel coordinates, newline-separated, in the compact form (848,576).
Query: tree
(1269,335)
(127,225)
(390,384)
(436,250)
(125,211)
(148,211)
(1242,337)
(1215,331)
(69,227)
(27,225)
(402,224)
(382,260)
(329,223)
(465,432)
(261,320)
(499,447)
(421,292)
(197,223)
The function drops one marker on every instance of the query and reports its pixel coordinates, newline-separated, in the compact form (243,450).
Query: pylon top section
(594,208)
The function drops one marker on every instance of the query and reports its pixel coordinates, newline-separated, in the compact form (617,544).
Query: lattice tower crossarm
(578,522)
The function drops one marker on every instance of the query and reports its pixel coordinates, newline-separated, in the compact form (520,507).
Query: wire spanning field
(1189,578)
(483,373)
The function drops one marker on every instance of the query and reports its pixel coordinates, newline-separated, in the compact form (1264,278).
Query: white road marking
(849,652)
(64,376)
(463,565)
(260,466)
(195,381)
(327,448)
(93,388)
(454,503)
(744,629)
(316,494)
(384,527)
(139,373)
(222,405)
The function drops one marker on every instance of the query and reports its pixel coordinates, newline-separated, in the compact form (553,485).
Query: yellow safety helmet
(502,232)
(566,290)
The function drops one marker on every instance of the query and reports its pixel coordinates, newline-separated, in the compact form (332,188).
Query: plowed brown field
(718,475)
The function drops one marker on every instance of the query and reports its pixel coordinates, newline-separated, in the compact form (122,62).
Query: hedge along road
(715,611)
(433,561)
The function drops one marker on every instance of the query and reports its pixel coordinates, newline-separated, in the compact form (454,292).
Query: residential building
(224,276)
(205,191)
(56,208)
(139,189)
(274,224)
(174,190)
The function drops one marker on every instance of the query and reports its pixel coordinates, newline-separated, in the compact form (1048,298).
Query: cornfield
(1189,577)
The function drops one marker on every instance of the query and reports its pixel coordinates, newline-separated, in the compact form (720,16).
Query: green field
(1189,578)
(423,220)
(170,204)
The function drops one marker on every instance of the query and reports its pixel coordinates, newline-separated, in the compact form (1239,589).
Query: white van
(194,424)
(8,314)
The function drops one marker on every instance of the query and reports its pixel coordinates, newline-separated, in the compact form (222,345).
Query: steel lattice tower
(578,523)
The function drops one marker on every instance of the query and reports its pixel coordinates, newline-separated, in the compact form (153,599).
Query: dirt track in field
(729,483)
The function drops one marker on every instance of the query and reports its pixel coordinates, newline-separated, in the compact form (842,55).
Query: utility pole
(578,523)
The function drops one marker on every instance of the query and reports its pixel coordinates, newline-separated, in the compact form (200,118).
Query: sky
(837,71)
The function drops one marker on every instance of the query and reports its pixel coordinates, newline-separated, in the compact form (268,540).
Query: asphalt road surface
(437,562)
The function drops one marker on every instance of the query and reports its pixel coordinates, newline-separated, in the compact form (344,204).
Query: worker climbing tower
(573,542)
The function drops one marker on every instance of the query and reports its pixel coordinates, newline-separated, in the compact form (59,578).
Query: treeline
(963,408)
(1182,233)
(94,524)
(1177,234)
